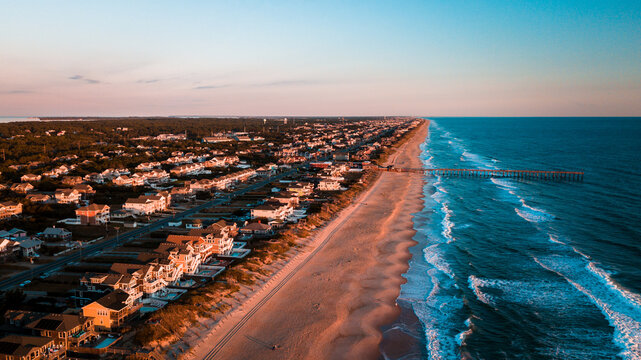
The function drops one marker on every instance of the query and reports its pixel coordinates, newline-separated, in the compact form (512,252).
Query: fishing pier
(495,173)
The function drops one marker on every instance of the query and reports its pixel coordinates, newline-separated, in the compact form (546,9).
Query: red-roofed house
(93,214)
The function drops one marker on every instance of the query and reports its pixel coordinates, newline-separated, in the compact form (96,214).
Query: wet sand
(335,298)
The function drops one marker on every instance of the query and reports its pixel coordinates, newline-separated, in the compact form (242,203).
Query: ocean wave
(446,223)
(621,308)
(475,284)
(475,158)
(504,183)
(466,155)
(438,310)
(463,335)
(533,214)
(434,257)
(438,196)
(428,162)
(441,206)
(540,294)
(525,211)
(581,253)
(606,278)
(438,313)
(555,239)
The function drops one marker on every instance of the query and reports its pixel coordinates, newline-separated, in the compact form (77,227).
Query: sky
(421,58)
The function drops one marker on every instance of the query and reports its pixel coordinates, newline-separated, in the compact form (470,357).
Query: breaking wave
(621,308)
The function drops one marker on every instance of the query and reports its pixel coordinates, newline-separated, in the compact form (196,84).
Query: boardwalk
(497,173)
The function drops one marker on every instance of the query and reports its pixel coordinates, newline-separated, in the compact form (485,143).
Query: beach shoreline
(332,299)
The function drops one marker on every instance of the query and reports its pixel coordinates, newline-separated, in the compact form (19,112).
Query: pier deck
(498,173)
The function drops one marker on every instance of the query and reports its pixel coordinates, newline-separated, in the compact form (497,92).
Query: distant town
(117,234)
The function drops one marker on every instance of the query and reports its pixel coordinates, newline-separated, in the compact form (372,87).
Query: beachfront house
(272,211)
(257,230)
(64,329)
(99,282)
(24,347)
(220,239)
(110,311)
(183,255)
(329,185)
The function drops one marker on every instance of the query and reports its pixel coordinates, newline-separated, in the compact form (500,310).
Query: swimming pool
(106,342)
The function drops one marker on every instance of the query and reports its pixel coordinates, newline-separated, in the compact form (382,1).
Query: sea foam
(621,308)
(533,214)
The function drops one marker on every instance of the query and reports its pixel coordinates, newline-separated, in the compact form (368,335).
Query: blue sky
(320,58)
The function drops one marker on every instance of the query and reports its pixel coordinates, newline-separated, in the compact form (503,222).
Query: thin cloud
(17,92)
(300,82)
(205,87)
(148,81)
(82,78)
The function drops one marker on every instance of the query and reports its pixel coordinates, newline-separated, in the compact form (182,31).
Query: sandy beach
(330,301)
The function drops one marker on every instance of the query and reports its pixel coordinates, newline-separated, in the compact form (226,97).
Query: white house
(272,211)
(145,204)
(329,185)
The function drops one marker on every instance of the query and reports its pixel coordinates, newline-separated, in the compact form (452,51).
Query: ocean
(8,119)
(522,269)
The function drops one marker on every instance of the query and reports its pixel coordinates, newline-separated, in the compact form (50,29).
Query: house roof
(66,192)
(257,226)
(23,316)
(184,239)
(285,195)
(222,223)
(115,300)
(54,231)
(58,322)
(129,269)
(201,232)
(38,196)
(11,232)
(21,345)
(94,207)
(114,279)
(266,207)
(29,243)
